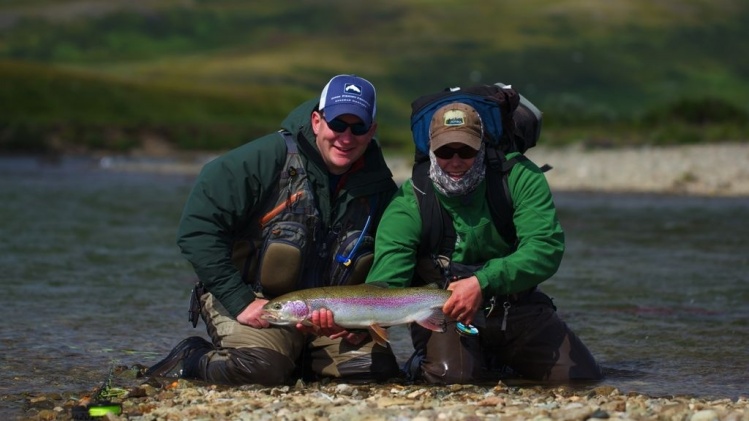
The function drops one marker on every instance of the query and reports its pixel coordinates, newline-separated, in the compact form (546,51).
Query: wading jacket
(501,271)
(243,217)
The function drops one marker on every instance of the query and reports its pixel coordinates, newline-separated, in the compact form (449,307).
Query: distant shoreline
(708,170)
(705,170)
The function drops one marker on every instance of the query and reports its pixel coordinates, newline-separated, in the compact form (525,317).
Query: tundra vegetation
(84,75)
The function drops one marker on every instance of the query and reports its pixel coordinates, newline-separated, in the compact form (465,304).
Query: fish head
(285,312)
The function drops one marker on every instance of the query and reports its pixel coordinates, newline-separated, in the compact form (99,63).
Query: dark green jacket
(232,192)
(541,239)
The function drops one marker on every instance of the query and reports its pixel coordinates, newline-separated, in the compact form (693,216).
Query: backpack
(511,123)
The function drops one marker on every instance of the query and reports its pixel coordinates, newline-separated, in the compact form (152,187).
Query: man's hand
(464,301)
(320,322)
(323,324)
(251,315)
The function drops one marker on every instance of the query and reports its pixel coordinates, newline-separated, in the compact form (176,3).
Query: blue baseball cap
(349,94)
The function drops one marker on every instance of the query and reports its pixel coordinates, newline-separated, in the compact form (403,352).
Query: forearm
(534,262)
(396,243)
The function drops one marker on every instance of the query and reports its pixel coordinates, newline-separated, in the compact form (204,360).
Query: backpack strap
(437,231)
(293,166)
(498,194)
(291,147)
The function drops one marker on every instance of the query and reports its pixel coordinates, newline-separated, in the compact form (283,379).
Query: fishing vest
(292,248)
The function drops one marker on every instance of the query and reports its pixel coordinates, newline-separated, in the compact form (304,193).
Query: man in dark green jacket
(291,210)
(493,284)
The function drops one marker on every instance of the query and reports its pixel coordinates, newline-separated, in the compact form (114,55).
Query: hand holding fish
(323,324)
(252,315)
(320,322)
(464,301)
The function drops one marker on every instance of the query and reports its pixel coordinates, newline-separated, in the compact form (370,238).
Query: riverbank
(160,399)
(709,170)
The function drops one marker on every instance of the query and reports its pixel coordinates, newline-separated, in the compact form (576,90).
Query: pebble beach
(163,399)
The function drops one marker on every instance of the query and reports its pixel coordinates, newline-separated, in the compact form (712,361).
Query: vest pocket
(352,259)
(282,258)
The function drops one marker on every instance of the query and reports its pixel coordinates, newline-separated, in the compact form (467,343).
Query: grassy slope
(581,65)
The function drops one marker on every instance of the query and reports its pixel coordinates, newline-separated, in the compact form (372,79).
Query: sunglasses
(340,126)
(464,152)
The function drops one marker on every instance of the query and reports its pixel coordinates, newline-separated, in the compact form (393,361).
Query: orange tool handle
(278,209)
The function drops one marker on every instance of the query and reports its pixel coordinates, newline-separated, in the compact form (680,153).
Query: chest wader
(291,248)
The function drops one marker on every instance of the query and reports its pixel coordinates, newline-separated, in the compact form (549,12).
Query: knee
(446,358)
(590,371)
(251,366)
(263,366)
(384,367)
(375,367)
(447,371)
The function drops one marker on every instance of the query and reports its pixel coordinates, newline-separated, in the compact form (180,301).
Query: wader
(277,355)
(522,337)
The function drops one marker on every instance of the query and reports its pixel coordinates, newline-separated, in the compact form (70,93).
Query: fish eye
(277,306)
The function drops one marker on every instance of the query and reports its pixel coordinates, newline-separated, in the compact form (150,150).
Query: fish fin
(379,334)
(308,323)
(378,284)
(435,321)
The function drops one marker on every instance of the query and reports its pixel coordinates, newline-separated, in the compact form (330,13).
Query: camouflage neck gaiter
(466,184)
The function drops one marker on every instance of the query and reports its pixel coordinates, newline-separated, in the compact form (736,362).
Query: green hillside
(214,73)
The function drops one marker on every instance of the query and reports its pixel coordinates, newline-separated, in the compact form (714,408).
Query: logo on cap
(454,118)
(351,88)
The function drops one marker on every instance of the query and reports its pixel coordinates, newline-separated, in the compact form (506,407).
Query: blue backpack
(511,124)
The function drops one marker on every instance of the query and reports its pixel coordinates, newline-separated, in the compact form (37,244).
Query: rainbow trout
(372,306)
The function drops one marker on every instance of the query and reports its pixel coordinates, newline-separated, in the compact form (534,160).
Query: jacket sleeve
(541,239)
(397,240)
(219,209)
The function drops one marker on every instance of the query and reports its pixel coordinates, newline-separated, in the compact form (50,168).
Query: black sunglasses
(340,126)
(464,152)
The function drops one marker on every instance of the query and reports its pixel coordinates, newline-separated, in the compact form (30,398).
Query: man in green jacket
(291,210)
(499,322)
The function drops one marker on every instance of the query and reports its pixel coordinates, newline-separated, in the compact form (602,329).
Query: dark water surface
(657,286)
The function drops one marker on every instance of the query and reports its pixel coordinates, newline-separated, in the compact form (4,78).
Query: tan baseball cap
(456,122)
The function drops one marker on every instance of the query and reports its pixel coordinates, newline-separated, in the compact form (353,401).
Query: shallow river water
(657,286)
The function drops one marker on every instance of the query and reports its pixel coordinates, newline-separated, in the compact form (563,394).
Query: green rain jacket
(232,191)
(541,239)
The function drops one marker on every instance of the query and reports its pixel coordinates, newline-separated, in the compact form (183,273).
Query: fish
(371,306)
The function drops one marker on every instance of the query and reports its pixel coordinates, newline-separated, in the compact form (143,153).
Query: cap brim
(455,136)
(337,110)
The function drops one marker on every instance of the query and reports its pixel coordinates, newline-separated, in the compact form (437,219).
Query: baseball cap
(456,122)
(349,94)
